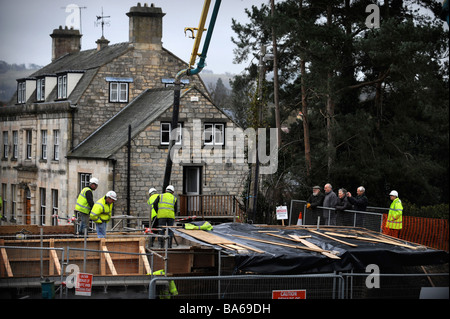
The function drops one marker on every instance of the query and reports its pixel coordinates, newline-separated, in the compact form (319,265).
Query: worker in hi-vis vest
(101,212)
(166,206)
(84,204)
(395,217)
(153,196)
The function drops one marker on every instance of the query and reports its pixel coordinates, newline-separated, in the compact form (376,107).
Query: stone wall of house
(147,68)
(35,173)
(148,159)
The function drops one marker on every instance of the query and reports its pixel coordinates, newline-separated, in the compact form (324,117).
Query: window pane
(218,134)
(208,134)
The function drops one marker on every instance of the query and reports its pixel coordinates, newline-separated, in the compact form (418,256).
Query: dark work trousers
(165,222)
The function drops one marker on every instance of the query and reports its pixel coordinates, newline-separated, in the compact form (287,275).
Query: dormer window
(21,92)
(40,90)
(62,86)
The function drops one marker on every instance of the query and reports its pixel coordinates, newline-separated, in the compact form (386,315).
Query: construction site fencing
(317,286)
(23,270)
(431,232)
(396,286)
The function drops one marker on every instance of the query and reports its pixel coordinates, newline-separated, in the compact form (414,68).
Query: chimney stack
(146,25)
(102,43)
(65,41)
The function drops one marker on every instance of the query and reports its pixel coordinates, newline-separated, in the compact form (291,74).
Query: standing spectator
(359,203)
(343,218)
(395,217)
(314,200)
(329,200)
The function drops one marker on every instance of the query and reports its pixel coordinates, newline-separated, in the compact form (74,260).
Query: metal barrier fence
(42,262)
(133,282)
(317,286)
(329,216)
(396,286)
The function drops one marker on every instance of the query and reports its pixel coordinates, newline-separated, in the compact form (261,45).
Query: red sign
(84,285)
(288,294)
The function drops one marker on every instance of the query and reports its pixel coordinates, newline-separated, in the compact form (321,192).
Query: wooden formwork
(105,256)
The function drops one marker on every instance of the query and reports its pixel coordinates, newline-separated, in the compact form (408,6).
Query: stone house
(69,121)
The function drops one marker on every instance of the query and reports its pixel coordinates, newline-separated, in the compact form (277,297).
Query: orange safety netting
(431,232)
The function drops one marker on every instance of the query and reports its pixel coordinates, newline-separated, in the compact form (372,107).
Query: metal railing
(211,206)
(317,286)
(330,216)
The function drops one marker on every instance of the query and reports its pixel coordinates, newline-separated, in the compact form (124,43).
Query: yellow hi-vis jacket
(172,287)
(101,212)
(166,206)
(82,205)
(150,202)
(395,216)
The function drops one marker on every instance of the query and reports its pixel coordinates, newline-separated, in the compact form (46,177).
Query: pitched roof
(112,135)
(84,60)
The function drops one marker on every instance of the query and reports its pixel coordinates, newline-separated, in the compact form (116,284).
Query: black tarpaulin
(285,260)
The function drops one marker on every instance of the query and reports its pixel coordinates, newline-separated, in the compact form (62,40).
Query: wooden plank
(383,241)
(109,261)
(6,262)
(320,250)
(205,236)
(311,245)
(54,262)
(145,260)
(332,238)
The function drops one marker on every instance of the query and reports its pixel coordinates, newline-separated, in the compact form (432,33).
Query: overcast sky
(25,27)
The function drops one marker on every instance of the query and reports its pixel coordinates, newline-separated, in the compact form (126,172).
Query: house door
(192,186)
(27,206)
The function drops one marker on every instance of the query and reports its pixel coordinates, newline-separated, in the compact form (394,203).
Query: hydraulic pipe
(212,22)
(201,28)
(188,72)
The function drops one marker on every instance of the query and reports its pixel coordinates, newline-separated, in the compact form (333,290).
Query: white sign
(282,212)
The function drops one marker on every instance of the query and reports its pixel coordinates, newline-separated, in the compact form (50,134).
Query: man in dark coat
(343,218)
(359,203)
(314,200)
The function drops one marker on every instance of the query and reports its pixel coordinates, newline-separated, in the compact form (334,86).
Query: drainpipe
(189,72)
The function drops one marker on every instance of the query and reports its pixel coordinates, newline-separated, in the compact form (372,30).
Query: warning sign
(282,212)
(288,294)
(84,285)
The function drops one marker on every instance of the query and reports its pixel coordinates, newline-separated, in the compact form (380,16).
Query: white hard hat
(393,193)
(170,188)
(152,190)
(112,195)
(93,180)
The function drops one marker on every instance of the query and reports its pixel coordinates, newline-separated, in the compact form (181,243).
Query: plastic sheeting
(284,260)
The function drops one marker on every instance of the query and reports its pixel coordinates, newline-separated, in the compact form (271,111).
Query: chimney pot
(65,41)
(146,25)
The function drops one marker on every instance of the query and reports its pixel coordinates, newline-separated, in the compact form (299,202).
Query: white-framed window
(44,144)
(5,145)
(118,92)
(214,134)
(15,150)
(5,199)
(55,208)
(56,145)
(62,86)
(43,208)
(84,180)
(21,92)
(166,130)
(40,89)
(29,136)
(13,201)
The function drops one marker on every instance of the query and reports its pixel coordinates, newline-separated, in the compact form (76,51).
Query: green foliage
(387,87)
